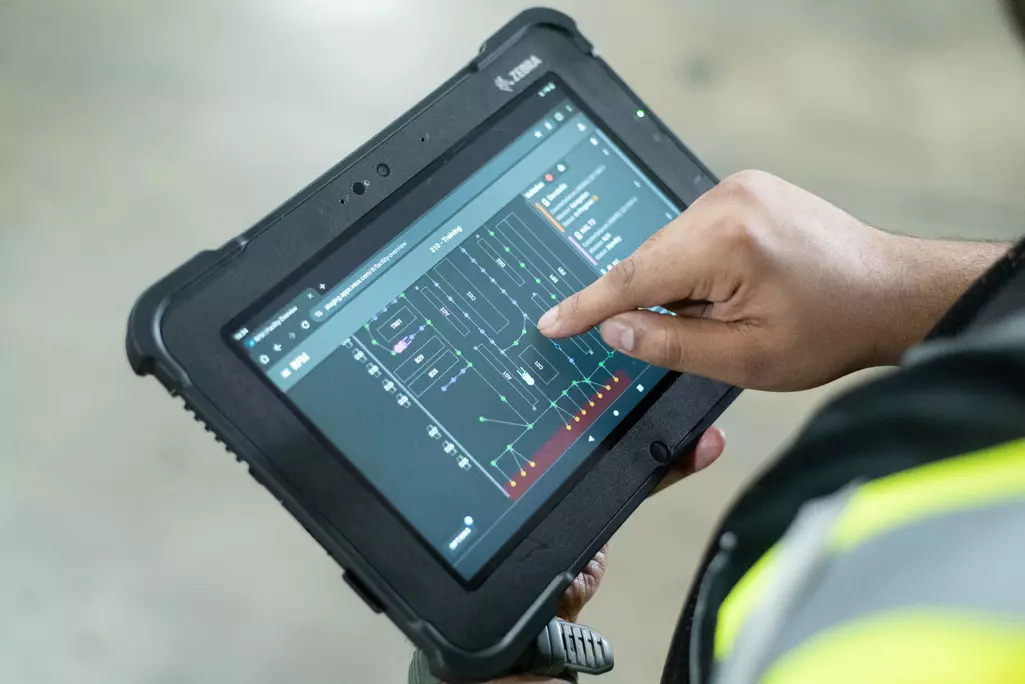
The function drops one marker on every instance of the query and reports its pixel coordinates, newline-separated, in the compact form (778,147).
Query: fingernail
(549,319)
(708,448)
(618,335)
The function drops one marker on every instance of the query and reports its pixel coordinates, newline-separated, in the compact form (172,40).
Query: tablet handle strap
(563,647)
(561,650)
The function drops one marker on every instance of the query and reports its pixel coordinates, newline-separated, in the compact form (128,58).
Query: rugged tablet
(370,350)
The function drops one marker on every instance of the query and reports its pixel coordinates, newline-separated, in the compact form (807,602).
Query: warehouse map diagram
(462,346)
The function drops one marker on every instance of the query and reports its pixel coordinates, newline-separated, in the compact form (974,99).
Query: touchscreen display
(412,347)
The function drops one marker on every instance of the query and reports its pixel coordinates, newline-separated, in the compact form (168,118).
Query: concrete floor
(132,548)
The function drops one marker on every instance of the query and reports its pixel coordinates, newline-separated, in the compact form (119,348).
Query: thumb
(710,348)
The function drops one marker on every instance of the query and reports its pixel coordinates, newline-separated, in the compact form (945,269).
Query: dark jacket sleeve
(962,391)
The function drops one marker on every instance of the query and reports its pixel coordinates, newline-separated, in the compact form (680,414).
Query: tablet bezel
(175,334)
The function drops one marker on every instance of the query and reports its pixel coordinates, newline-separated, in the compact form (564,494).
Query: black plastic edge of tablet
(690,440)
(144,342)
(511,33)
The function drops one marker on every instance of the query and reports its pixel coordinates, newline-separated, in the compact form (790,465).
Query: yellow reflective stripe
(979,478)
(920,647)
(740,602)
(983,477)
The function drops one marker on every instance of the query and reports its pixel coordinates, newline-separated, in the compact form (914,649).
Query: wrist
(922,280)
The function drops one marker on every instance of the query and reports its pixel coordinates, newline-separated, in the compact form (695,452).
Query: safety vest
(914,578)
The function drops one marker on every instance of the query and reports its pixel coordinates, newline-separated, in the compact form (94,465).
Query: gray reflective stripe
(970,561)
(419,671)
(802,553)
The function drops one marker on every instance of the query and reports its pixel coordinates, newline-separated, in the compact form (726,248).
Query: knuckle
(670,350)
(571,306)
(621,277)
(745,210)
(747,188)
(747,181)
(740,235)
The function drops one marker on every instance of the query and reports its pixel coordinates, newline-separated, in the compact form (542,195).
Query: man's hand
(774,289)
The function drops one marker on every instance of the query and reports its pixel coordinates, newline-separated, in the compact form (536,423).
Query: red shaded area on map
(559,442)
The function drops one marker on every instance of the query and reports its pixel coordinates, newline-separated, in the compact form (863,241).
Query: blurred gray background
(132,134)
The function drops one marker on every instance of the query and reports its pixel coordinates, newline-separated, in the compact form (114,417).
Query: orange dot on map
(608,387)
(523,473)
(576,418)
(532,464)
(512,483)
(615,379)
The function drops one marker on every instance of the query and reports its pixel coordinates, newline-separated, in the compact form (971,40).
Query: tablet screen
(412,347)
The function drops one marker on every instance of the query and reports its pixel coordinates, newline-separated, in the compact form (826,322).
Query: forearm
(920,282)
